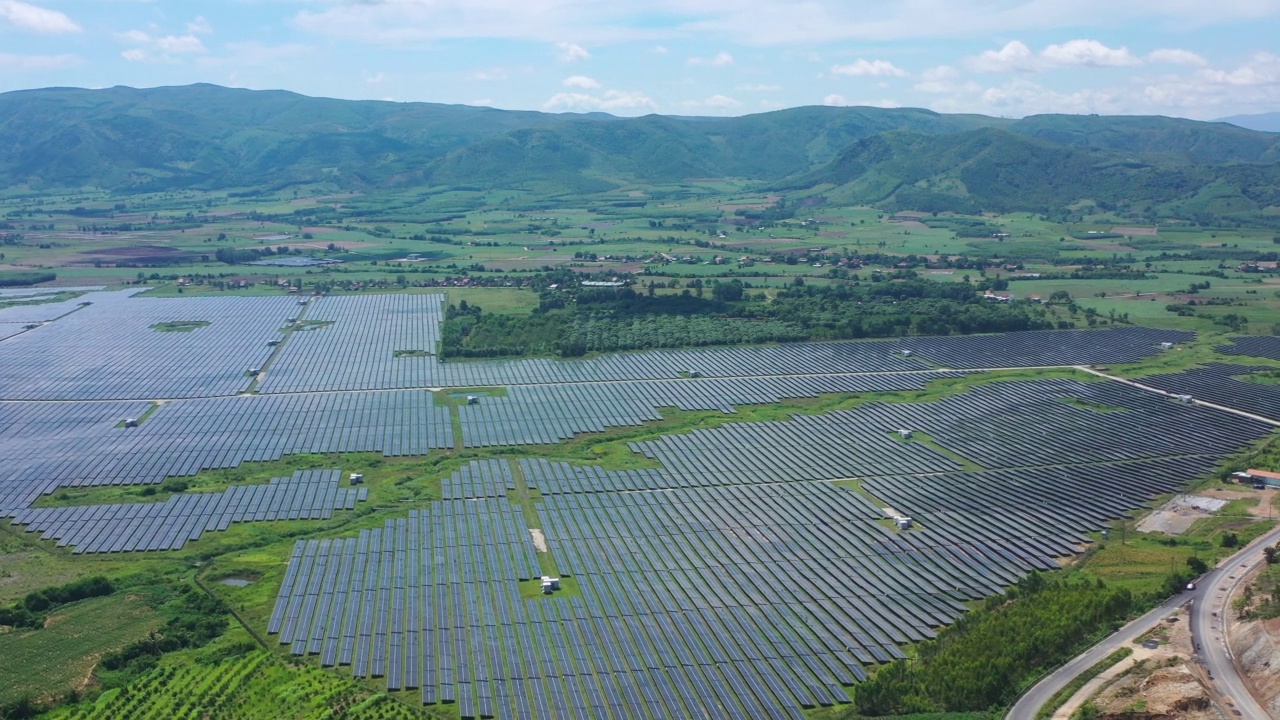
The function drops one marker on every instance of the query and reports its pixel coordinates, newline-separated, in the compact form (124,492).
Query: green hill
(205,136)
(1003,170)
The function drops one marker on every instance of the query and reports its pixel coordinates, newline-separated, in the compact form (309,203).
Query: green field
(61,656)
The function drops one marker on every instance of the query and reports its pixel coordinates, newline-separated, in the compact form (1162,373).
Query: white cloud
(1173,56)
(482,102)
(37,62)
(1261,70)
(721,59)
(759,88)
(610,100)
(940,79)
(377,78)
(490,75)
(1014,56)
(568,52)
(721,102)
(254,56)
(798,23)
(35,18)
(581,81)
(199,26)
(159,47)
(835,100)
(659,50)
(869,68)
(1088,53)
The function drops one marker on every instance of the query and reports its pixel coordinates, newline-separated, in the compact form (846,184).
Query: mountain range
(205,136)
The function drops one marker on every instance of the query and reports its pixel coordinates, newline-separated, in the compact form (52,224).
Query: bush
(25,279)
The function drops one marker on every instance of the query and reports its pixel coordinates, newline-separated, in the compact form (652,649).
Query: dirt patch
(836,235)
(539,540)
(1115,248)
(52,620)
(1261,510)
(910,224)
(1135,230)
(1178,515)
(143,254)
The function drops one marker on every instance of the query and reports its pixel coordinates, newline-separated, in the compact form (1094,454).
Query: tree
(1230,540)
(1198,566)
(727,291)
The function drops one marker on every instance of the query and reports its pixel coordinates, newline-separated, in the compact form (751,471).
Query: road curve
(1205,598)
(1207,617)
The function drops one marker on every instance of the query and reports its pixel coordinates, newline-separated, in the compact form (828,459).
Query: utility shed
(904,433)
(356,478)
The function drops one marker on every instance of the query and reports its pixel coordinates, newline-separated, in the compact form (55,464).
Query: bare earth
(1177,515)
(1161,683)
(1135,230)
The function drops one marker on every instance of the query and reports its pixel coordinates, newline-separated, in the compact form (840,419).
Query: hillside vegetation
(204,136)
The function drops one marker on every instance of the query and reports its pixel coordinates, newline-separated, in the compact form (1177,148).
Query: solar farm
(746,569)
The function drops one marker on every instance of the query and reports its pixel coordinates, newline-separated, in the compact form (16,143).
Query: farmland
(707,407)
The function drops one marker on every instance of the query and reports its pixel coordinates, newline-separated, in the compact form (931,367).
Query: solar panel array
(108,350)
(1217,383)
(727,583)
(539,414)
(46,445)
(47,311)
(356,348)
(1263,346)
(8,330)
(307,495)
(1048,347)
(724,580)
(358,352)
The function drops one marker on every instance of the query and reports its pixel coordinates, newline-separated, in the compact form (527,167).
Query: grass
(1068,691)
(180,326)
(60,656)
(259,684)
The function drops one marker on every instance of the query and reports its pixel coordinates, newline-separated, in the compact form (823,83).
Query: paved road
(1206,627)
(1207,598)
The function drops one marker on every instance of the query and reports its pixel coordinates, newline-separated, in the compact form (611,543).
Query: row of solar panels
(132,527)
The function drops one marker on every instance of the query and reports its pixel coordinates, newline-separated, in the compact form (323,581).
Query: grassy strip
(1061,697)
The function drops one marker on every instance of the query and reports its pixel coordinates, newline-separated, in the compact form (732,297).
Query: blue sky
(1187,58)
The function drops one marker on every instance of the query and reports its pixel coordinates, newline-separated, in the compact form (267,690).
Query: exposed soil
(1179,514)
(539,540)
(1157,684)
(1133,230)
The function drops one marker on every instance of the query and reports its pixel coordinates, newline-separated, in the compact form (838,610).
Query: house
(1264,478)
(997,297)
(1035,298)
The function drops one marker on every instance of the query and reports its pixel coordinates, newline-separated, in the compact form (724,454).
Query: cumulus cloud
(1014,56)
(869,68)
(568,52)
(26,16)
(1262,69)
(581,81)
(720,60)
(938,79)
(149,46)
(609,100)
(759,88)
(1174,56)
(721,102)
(659,50)
(37,62)
(1088,53)
(835,100)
